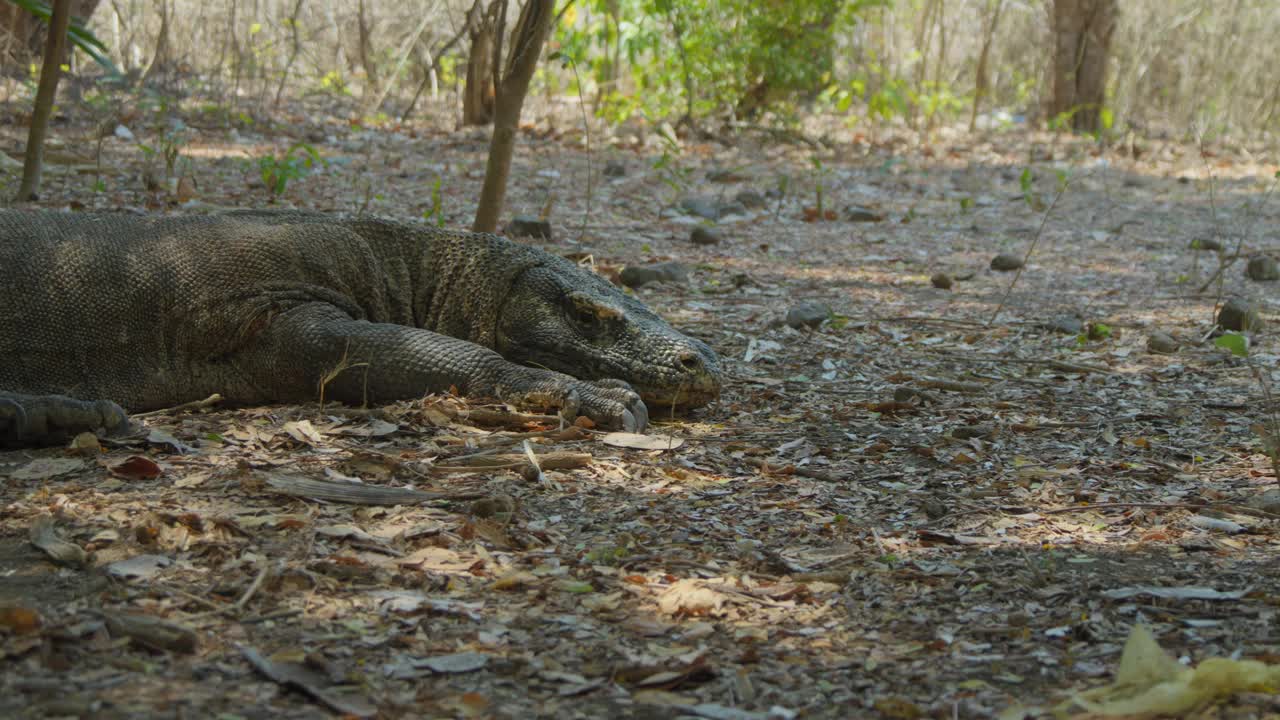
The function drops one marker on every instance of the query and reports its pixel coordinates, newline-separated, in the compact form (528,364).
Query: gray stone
(1262,269)
(750,199)
(1162,343)
(1005,262)
(857,213)
(701,206)
(808,314)
(1239,315)
(1268,501)
(637,275)
(615,169)
(1066,324)
(531,227)
(703,235)
(1209,244)
(941,280)
(733,208)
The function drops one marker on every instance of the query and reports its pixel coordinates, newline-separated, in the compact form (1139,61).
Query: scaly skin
(150,312)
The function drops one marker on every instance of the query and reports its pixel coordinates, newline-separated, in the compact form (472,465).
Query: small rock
(941,280)
(526,226)
(1262,269)
(1239,315)
(703,235)
(750,199)
(1005,262)
(615,169)
(773,194)
(701,206)
(1066,324)
(808,314)
(733,208)
(1210,244)
(1162,343)
(725,175)
(966,432)
(637,275)
(857,213)
(1268,501)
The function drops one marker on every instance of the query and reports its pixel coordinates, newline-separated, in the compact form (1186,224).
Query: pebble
(1005,262)
(703,235)
(637,275)
(808,314)
(527,226)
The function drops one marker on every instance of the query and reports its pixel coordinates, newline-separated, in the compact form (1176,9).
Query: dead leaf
(45,468)
(636,441)
(137,467)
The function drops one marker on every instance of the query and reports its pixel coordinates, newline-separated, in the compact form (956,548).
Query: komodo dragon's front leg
(379,362)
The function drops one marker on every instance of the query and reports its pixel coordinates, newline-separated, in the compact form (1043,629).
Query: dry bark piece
(310,682)
(857,213)
(1005,262)
(354,493)
(152,632)
(44,537)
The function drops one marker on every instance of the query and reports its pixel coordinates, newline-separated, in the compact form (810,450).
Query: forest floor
(947,503)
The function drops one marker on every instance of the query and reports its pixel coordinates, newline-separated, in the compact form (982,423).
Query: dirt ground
(946,503)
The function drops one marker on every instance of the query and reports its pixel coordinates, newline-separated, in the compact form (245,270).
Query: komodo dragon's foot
(611,404)
(32,420)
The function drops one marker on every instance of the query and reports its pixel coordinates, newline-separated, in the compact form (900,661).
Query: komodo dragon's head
(561,317)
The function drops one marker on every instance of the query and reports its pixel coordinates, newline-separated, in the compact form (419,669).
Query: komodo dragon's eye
(589,315)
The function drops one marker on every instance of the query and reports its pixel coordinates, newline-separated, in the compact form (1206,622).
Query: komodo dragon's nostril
(690,361)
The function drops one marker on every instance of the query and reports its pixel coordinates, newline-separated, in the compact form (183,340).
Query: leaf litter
(900,510)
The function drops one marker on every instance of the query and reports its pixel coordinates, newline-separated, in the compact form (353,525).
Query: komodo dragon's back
(151,311)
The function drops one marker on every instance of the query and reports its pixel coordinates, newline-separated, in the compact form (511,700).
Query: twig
(208,402)
(1030,249)
(253,587)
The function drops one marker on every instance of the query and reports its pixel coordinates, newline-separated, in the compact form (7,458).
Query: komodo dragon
(148,312)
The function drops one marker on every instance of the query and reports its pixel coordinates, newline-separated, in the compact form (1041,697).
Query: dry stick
(1030,249)
(208,402)
(253,587)
(435,61)
(789,470)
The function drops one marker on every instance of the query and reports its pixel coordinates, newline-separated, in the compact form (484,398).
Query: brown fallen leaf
(137,467)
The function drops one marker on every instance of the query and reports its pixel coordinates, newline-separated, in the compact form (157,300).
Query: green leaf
(1107,117)
(1236,343)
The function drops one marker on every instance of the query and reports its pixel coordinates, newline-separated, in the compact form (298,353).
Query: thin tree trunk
(1082,45)
(480,90)
(433,70)
(530,35)
(295,47)
(980,83)
(55,44)
(366,55)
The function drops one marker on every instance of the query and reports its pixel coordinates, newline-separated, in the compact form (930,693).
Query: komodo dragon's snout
(579,324)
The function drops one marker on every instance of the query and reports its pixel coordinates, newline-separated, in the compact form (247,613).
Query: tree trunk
(478,95)
(371,85)
(22,36)
(530,35)
(55,45)
(980,83)
(1082,32)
